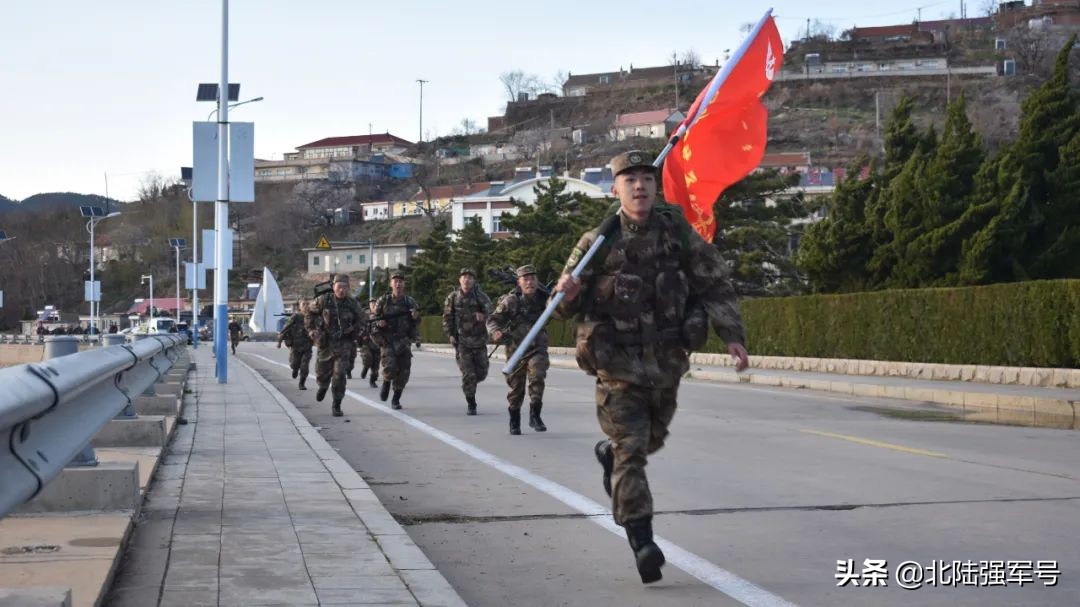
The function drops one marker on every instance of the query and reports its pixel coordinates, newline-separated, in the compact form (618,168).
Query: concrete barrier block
(1051,413)
(948,397)
(842,387)
(169,389)
(157,405)
(107,486)
(146,431)
(45,596)
(980,400)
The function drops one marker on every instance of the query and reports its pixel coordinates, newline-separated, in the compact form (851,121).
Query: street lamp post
(233,105)
(177,244)
(4,238)
(94,215)
(422,82)
(149,310)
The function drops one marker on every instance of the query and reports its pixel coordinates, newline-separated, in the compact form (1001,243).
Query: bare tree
(319,198)
(821,30)
(988,7)
(517,82)
(690,57)
(1029,47)
(468,126)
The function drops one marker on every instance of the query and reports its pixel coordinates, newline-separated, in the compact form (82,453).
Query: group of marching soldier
(641,308)
(338,325)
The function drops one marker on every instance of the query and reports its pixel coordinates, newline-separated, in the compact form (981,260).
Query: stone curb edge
(1043,377)
(977,406)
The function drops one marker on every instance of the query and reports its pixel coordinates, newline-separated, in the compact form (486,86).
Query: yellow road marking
(874,443)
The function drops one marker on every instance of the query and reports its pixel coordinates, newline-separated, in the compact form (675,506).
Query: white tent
(269,307)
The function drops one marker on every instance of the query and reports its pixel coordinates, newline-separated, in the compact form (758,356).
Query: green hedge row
(1029,324)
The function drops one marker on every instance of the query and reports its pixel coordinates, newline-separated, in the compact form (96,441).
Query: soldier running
(465,313)
(332,321)
(512,319)
(397,326)
(643,305)
(370,352)
(298,341)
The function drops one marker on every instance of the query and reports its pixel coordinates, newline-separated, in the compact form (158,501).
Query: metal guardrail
(50,410)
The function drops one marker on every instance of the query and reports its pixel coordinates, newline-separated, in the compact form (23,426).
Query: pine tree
(904,207)
(472,248)
(1024,235)
(430,275)
(546,231)
(932,257)
(755,219)
(833,252)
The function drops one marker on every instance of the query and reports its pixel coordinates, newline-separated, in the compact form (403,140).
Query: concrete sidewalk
(253,507)
(975,401)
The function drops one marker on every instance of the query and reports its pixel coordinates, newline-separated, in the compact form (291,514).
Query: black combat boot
(384,393)
(321,394)
(648,555)
(303,380)
(472,405)
(534,417)
(606,457)
(295,372)
(374,383)
(337,408)
(348,375)
(396,402)
(363,373)
(515,421)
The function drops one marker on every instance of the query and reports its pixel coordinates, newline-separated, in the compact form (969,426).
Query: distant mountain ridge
(56,201)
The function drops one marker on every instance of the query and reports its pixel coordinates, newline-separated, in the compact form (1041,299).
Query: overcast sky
(108,86)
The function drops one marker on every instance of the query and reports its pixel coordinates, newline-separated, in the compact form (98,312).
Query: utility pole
(877,115)
(675,60)
(422,82)
(221,210)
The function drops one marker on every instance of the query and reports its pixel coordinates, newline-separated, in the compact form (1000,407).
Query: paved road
(760,492)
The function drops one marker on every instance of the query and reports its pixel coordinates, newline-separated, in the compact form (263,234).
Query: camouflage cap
(634,159)
(399,274)
(465,271)
(341,278)
(525,270)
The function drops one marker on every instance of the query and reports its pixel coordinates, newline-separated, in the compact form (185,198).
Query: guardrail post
(60,345)
(63,345)
(114,339)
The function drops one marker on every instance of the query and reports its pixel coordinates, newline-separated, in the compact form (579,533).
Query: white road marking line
(720,579)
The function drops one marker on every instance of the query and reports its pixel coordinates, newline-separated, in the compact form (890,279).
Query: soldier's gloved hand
(569,285)
(416,314)
(453,342)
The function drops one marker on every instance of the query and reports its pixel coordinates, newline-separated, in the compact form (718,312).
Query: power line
(856,17)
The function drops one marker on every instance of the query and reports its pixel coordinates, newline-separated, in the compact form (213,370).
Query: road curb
(976,406)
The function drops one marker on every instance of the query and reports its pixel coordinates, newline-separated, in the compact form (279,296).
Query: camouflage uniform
(369,350)
(234,334)
(338,321)
(396,339)
(514,316)
(460,323)
(646,299)
(296,337)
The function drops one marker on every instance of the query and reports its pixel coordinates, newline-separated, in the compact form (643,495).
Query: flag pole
(710,92)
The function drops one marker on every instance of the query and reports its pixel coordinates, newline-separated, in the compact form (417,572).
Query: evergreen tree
(932,257)
(755,219)
(472,248)
(1024,236)
(429,278)
(833,252)
(546,231)
(903,218)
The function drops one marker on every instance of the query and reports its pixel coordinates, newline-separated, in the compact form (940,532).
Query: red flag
(725,136)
